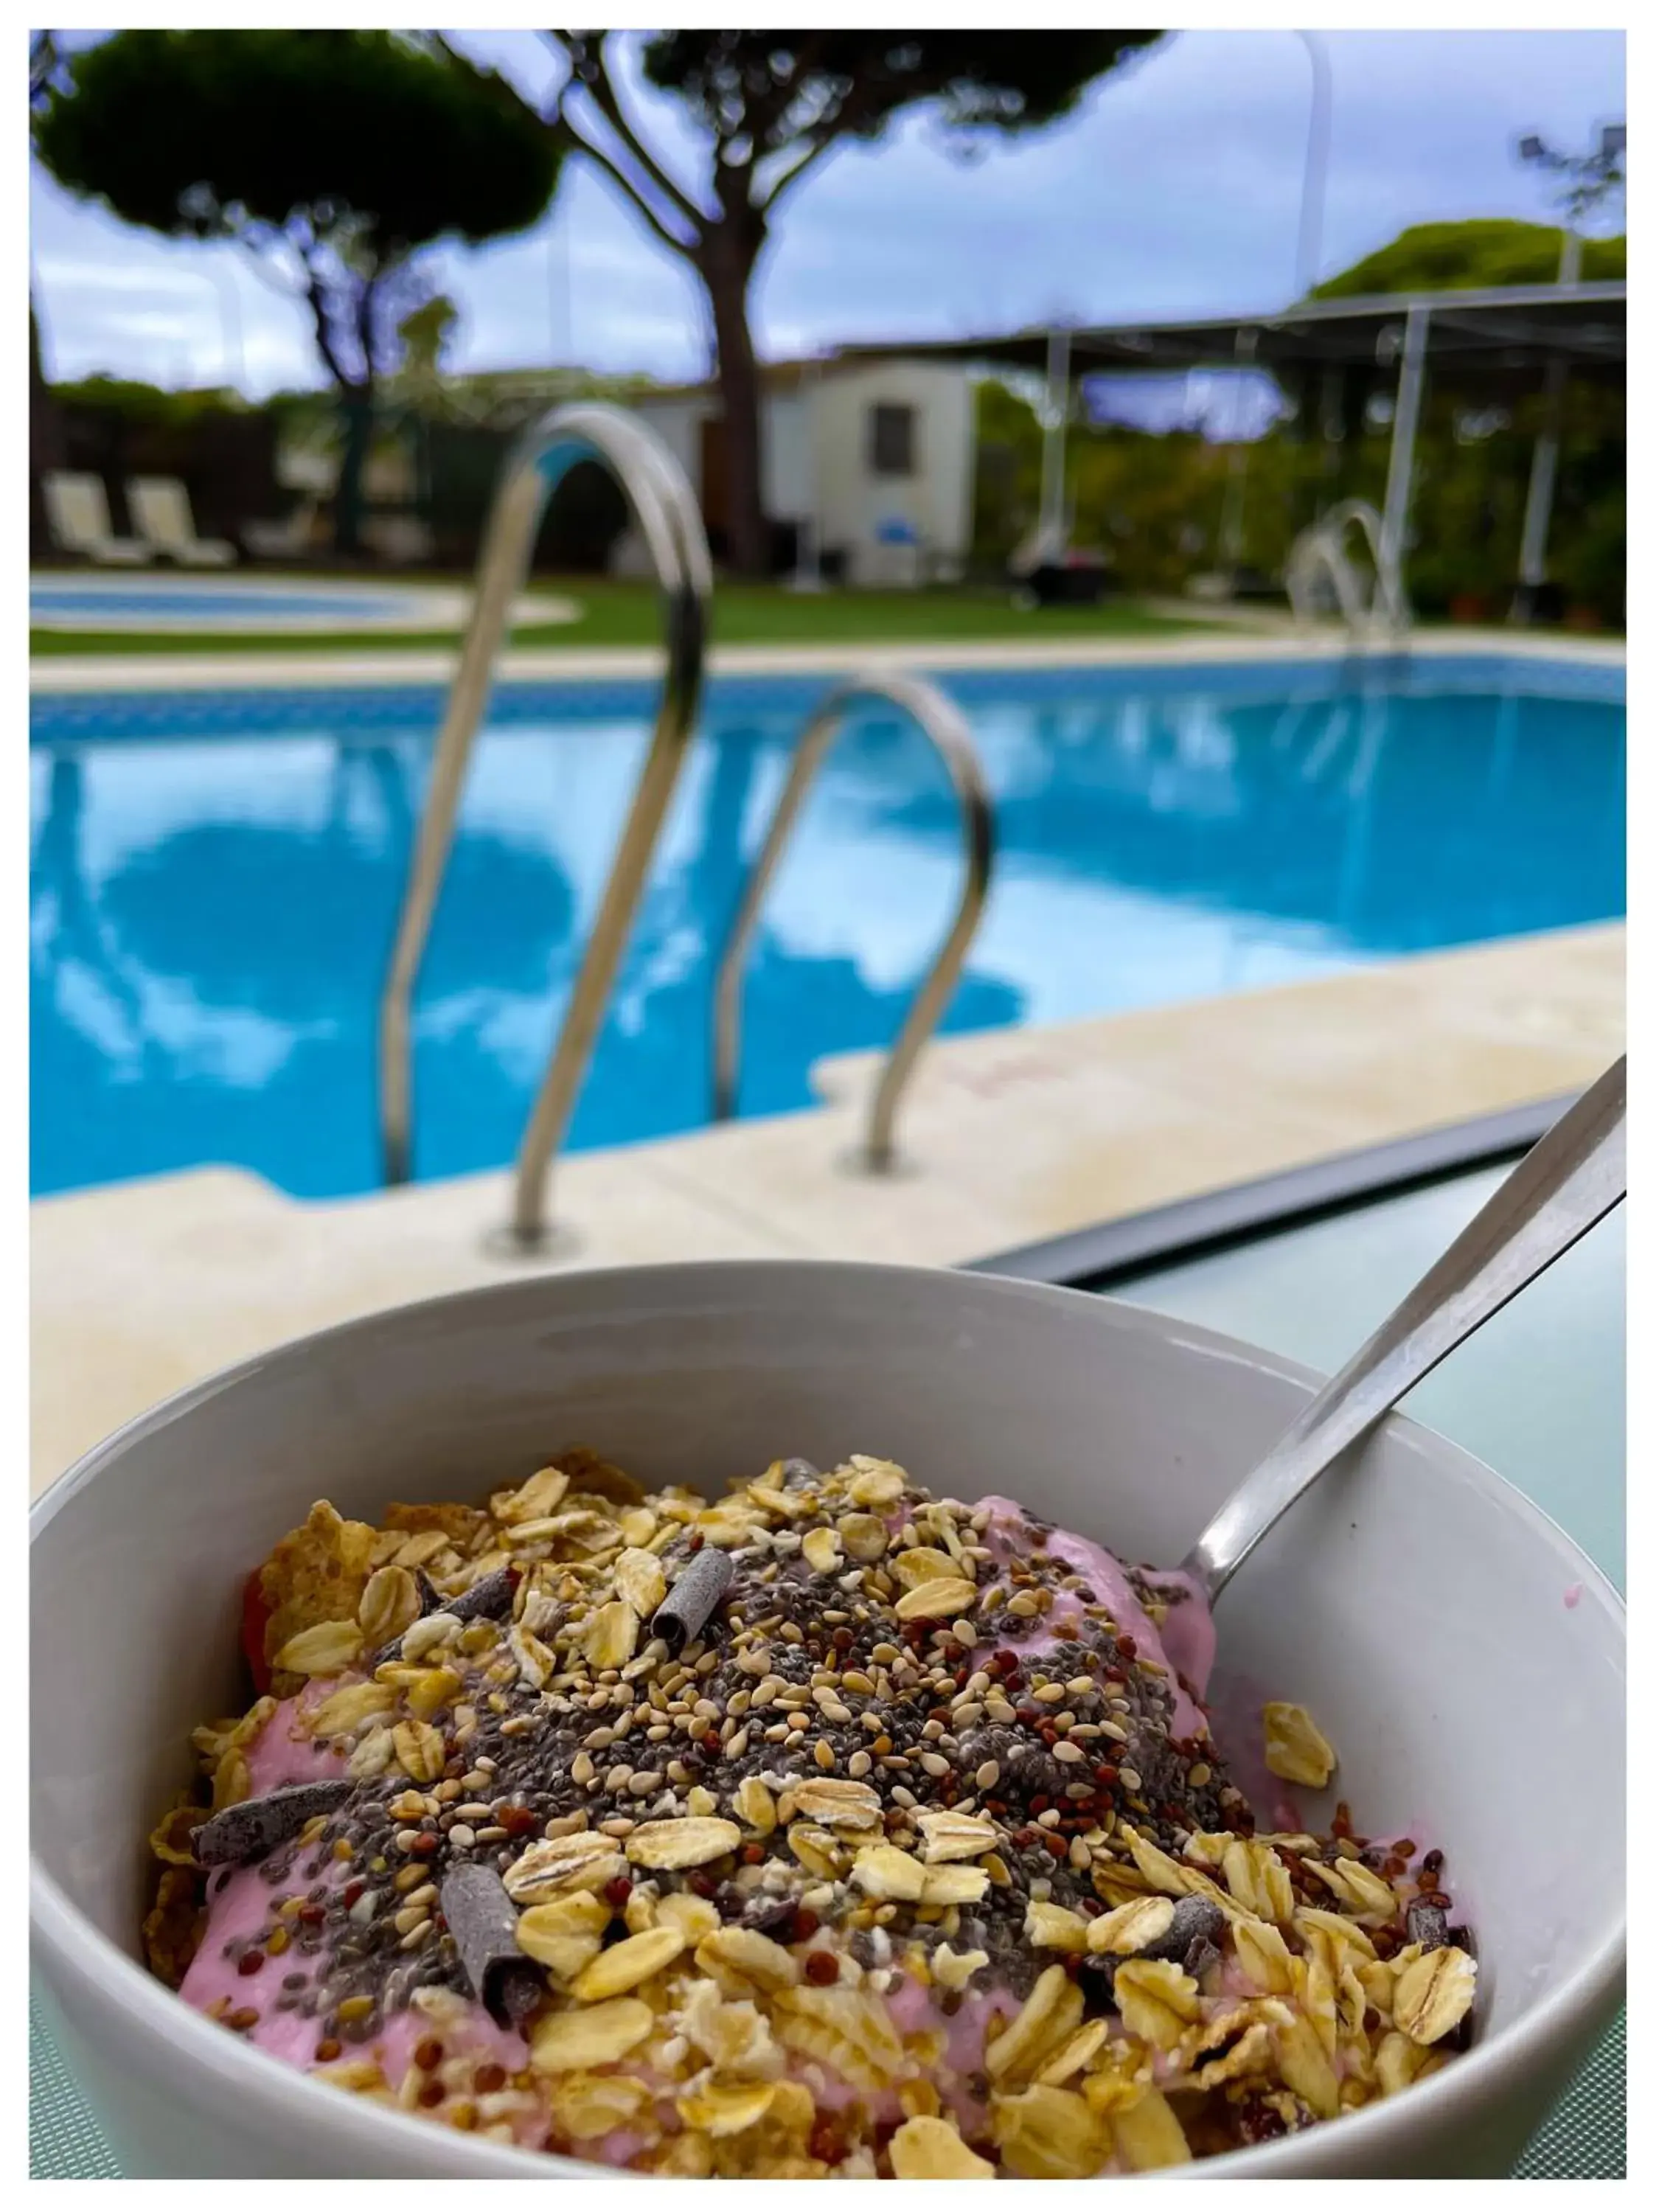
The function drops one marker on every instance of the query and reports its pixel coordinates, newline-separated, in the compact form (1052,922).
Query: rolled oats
(1157,2000)
(1048,2015)
(563,1863)
(612,1636)
(821,1549)
(956,1835)
(591,2035)
(390,1604)
(935,1600)
(1055,1928)
(728,2109)
(883,1870)
(1432,1994)
(1263,1955)
(1132,1927)
(1047,2133)
(1147,2135)
(746,1951)
(836,1804)
(641,1582)
(690,1842)
(1296,1751)
(327,1648)
(627,1964)
(926,2149)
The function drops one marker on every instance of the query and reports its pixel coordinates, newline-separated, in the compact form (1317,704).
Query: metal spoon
(1573,1175)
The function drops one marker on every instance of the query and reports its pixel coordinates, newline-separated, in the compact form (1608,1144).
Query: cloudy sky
(1174,190)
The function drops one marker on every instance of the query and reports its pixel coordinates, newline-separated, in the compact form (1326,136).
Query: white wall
(786,455)
(815,464)
(937,500)
(677,421)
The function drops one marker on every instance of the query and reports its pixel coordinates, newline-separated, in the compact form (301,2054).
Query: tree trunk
(357,411)
(725,270)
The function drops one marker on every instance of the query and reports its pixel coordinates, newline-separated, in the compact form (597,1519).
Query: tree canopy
(1443,256)
(768,107)
(333,157)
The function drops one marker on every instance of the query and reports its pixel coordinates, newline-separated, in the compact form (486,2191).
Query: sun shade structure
(1514,332)
(1498,344)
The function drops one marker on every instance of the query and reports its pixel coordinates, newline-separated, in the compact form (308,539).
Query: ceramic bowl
(1465,1659)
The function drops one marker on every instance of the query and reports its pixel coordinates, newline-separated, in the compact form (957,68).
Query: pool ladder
(1320,555)
(665,510)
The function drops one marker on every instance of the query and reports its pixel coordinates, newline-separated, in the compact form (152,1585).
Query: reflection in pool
(216,879)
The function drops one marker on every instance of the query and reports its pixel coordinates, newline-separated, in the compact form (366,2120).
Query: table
(1539,1393)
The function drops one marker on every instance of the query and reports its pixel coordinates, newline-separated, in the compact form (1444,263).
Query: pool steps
(1009,1136)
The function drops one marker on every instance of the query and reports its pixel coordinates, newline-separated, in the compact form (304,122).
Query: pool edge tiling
(1010,1136)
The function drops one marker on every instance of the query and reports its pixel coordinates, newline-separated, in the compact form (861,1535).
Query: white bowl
(1466,1660)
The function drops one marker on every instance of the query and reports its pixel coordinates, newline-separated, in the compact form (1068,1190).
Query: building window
(892,441)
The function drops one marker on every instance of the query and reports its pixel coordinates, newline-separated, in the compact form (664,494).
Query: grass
(615,613)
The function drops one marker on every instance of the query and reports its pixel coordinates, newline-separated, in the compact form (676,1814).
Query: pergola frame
(1509,338)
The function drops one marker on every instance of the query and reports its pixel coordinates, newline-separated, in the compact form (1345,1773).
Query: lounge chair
(160,507)
(282,540)
(78,515)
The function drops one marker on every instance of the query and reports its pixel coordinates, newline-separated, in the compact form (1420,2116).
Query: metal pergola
(1500,344)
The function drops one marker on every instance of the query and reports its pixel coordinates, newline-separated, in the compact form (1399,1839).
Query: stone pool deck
(1010,1136)
(1232,638)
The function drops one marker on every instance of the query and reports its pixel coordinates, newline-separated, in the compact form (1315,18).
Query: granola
(831,1829)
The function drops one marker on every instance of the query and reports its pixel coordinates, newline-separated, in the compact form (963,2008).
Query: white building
(868,459)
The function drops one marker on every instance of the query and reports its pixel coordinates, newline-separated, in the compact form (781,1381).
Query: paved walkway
(1010,1136)
(283,669)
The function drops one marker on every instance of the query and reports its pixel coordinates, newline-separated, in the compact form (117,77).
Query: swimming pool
(215,875)
(225,603)
(260,605)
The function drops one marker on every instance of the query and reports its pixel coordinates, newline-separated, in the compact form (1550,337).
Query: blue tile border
(55,717)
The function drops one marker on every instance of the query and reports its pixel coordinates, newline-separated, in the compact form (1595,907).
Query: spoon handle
(1572,1175)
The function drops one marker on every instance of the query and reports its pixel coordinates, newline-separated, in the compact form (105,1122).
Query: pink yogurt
(1190,1648)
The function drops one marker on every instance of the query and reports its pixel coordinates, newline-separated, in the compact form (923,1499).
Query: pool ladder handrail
(945,729)
(1385,609)
(665,510)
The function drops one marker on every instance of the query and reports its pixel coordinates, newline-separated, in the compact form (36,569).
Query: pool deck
(1010,1136)
(1256,637)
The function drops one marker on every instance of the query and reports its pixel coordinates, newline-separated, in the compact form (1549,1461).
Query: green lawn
(623,614)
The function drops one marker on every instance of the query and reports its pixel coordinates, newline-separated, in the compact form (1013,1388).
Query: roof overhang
(1501,333)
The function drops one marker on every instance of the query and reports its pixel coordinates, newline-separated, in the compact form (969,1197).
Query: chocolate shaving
(258,1825)
(484,1920)
(1201,1955)
(1426,1924)
(489,1600)
(1098,1976)
(1196,1921)
(1193,1937)
(684,1613)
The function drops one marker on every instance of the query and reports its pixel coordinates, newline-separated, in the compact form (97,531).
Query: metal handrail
(947,732)
(665,511)
(1322,545)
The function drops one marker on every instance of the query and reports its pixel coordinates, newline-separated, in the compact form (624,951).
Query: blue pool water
(210,603)
(214,879)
